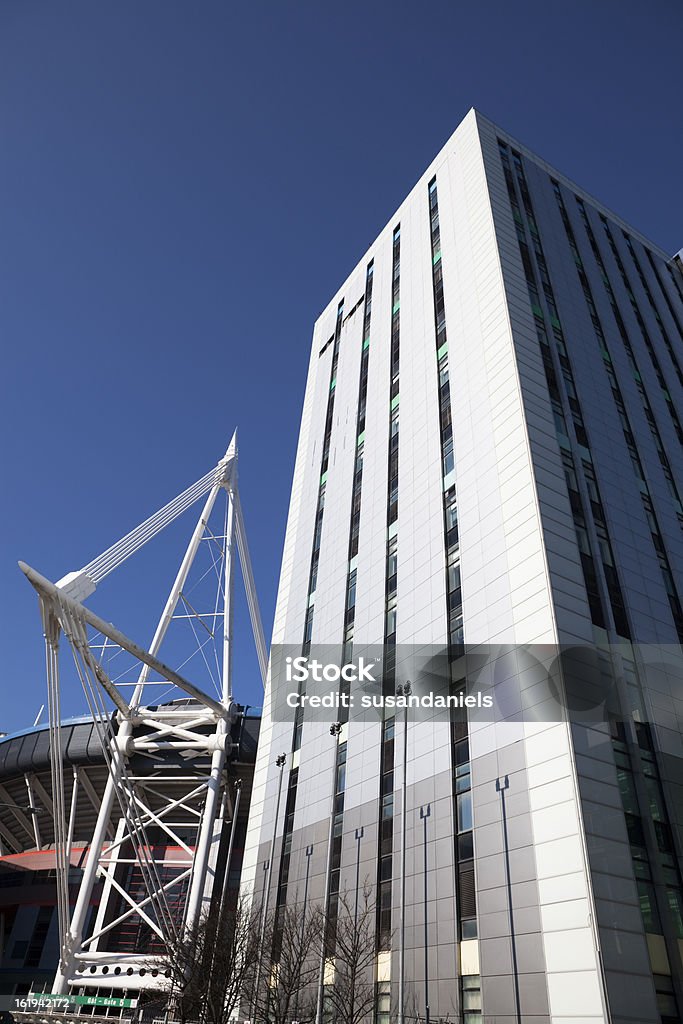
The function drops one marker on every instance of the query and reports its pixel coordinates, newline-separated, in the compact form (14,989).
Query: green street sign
(69,1000)
(101,1001)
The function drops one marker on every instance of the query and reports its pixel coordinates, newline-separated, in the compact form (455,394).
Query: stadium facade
(29,935)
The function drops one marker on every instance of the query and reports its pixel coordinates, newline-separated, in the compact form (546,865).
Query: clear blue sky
(182,188)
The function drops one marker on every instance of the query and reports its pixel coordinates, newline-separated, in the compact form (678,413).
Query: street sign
(35,999)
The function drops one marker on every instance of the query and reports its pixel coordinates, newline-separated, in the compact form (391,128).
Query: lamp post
(335,731)
(309,853)
(233,828)
(403,691)
(425,811)
(501,788)
(279,763)
(360,832)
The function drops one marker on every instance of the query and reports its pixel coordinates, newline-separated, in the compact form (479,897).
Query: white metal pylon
(155,843)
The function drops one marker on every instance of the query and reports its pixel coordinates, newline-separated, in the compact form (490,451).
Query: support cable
(110,559)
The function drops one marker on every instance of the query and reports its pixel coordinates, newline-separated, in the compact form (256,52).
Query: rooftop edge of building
(480,119)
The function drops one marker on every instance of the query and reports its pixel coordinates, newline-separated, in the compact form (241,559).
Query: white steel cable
(134,542)
(147,529)
(106,562)
(169,510)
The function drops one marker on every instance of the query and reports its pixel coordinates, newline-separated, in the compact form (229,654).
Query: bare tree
(350,997)
(270,971)
(283,986)
(207,970)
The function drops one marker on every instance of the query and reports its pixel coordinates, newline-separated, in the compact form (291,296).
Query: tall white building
(491,454)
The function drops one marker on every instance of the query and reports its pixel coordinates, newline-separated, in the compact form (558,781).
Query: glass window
(666,1000)
(456,632)
(648,907)
(465,847)
(341,778)
(394,422)
(461,756)
(463,780)
(471,999)
(448,458)
(351,592)
(675,900)
(654,794)
(664,838)
(453,577)
(628,791)
(464,803)
(308,627)
(383,1002)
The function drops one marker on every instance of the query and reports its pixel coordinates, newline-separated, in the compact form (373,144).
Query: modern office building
(491,454)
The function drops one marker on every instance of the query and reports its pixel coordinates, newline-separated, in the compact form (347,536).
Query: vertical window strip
(629,437)
(653,306)
(332,890)
(674,280)
(664,460)
(386,812)
(643,329)
(628,348)
(672,312)
(588,563)
(354,529)
(655,864)
(290,803)
(460,757)
(334,874)
(605,550)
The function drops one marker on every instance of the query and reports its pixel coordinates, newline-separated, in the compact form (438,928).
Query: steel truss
(166,799)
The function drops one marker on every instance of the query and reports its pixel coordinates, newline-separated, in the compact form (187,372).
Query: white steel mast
(173,802)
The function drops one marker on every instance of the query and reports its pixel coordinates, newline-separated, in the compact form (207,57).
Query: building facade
(490,454)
